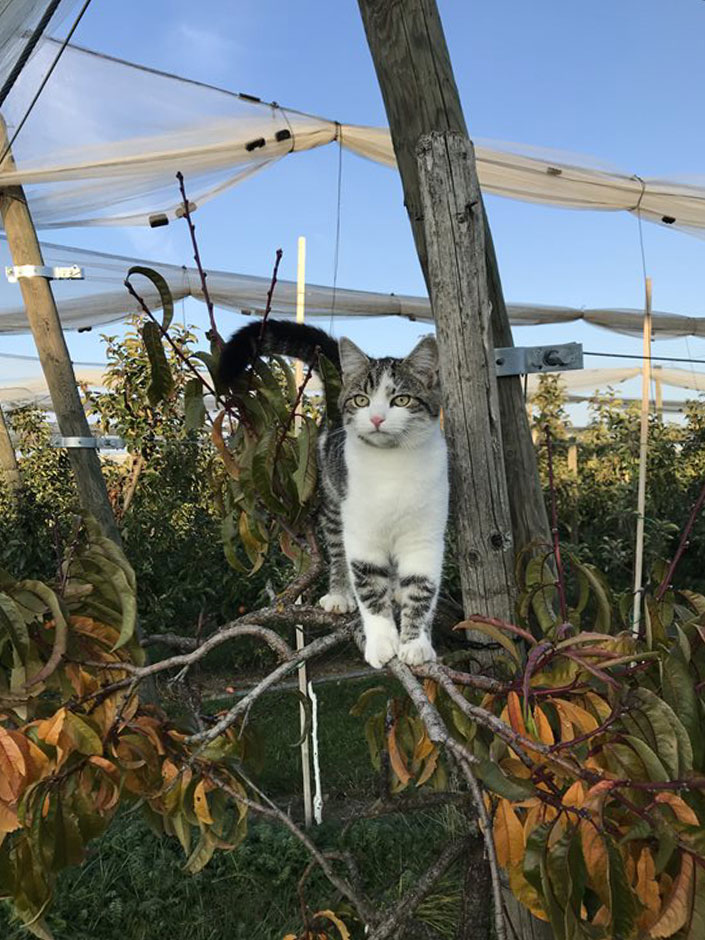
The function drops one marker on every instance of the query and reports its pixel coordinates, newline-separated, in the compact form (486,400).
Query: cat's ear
(423,360)
(352,359)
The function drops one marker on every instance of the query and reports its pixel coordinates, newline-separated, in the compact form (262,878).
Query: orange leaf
(50,729)
(516,719)
(200,804)
(545,732)
(574,795)
(8,819)
(395,757)
(508,835)
(429,768)
(596,860)
(647,888)
(677,907)
(680,808)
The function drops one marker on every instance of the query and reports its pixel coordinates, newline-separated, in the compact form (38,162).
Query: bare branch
(361,903)
(411,900)
(315,648)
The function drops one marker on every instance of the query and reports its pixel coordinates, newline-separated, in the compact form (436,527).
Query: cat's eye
(360,401)
(401,401)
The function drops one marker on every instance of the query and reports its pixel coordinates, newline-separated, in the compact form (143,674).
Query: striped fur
(384,485)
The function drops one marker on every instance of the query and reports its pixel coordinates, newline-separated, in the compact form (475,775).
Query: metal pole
(300,638)
(643,451)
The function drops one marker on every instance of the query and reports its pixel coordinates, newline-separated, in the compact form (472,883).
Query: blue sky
(619,81)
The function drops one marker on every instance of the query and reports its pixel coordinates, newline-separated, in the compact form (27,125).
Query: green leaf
(672,742)
(162,381)
(600,592)
(364,700)
(679,693)
(533,857)
(511,788)
(305,473)
(624,905)
(194,406)
(165,296)
(654,768)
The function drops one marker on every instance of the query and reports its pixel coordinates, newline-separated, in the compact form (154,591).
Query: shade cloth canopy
(104,146)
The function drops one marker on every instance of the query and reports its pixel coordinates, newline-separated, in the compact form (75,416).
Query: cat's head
(390,402)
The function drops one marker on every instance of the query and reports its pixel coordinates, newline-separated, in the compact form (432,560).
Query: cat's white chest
(390,491)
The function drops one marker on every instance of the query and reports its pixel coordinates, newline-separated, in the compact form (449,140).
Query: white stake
(300,639)
(643,450)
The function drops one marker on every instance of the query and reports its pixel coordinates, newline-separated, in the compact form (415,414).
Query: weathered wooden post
(8,459)
(420,96)
(495,477)
(458,287)
(54,356)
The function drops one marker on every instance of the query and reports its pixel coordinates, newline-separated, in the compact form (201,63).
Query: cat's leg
(339,599)
(419,573)
(371,577)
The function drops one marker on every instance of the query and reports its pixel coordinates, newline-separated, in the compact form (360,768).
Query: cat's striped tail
(280,337)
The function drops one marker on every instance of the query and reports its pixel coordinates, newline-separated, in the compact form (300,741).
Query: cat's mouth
(379,438)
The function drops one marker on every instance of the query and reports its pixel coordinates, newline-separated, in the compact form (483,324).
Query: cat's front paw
(381,645)
(417,651)
(337,603)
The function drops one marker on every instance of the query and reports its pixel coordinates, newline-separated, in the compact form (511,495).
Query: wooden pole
(300,638)
(643,452)
(420,95)
(53,353)
(457,276)
(8,459)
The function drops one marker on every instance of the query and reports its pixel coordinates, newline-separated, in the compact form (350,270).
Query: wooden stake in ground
(8,459)
(300,638)
(53,353)
(643,452)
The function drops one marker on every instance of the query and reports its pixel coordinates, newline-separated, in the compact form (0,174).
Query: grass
(132,886)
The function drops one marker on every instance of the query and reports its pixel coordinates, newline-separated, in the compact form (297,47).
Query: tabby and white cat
(384,479)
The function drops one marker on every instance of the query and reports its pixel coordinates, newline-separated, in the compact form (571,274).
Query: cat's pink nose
(376,420)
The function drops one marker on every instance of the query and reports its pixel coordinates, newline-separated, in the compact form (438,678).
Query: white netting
(103,149)
(102,298)
(18,19)
(33,389)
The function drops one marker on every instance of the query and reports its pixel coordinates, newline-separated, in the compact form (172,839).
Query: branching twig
(213,335)
(361,903)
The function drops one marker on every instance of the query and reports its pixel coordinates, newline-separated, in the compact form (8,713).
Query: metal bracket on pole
(97,443)
(69,272)
(520,360)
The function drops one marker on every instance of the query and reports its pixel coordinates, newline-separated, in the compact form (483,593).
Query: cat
(384,482)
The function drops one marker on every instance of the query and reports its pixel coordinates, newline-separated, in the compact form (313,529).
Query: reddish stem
(560,582)
(682,545)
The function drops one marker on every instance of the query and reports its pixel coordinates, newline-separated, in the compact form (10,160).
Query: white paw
(415,652)
(398,595)
(381,645)
(337,603)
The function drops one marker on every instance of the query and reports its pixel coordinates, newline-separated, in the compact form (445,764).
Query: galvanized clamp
(520,360)
(70,272)
(95,443)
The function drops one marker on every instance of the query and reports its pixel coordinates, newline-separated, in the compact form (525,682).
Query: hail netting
(91,156)
(102,298)
(18,19)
